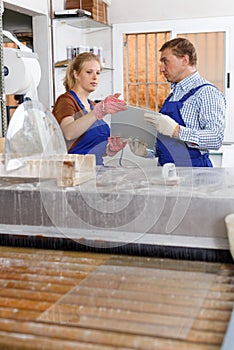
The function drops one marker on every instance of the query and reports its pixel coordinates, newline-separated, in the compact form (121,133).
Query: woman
(80,119)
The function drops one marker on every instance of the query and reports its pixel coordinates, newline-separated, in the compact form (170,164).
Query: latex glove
(115,145)
(138,147)
(162,123)
(110,105)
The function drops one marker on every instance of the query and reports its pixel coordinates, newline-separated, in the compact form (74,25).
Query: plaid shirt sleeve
(204,117)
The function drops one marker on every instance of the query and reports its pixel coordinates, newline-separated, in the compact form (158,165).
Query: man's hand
(163,123)
(110,105)
(138,147)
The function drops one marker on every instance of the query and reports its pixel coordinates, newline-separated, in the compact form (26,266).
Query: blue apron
(171,150)
(94,140)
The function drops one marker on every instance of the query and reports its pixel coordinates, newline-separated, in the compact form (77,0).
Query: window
(144,86)
(211,55)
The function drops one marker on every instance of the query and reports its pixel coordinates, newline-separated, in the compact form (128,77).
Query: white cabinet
(76,32)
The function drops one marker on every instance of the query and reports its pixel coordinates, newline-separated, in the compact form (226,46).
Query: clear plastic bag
(33,133)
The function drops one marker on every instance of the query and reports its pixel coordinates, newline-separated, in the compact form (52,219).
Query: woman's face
(89,75)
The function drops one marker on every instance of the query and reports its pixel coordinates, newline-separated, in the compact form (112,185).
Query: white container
(229,221)
(108,2)
(94,50)
(82,48)
(59,5)
(69,50)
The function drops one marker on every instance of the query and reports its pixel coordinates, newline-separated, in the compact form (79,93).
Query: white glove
(162,123)
(138,147)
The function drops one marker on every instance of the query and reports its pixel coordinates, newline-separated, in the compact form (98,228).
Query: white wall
(127,11)
(28,6)
(42,45)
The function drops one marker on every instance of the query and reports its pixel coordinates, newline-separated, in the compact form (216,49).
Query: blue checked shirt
(203,114)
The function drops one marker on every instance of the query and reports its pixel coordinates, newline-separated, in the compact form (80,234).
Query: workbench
(108,281)
(124,206)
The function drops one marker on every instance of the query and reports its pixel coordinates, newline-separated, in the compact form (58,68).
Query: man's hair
(181,47)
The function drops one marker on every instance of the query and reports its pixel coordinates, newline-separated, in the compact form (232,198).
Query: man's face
(172,67)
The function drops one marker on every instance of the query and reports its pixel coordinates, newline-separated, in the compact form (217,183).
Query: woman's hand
(114,145)
(110,105)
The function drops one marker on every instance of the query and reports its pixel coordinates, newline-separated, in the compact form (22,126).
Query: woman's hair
(181,47)
(76,65)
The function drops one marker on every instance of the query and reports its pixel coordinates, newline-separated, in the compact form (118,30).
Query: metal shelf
(83,22)
(64,64)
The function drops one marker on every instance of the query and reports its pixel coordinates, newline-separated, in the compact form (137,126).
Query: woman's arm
(75,126)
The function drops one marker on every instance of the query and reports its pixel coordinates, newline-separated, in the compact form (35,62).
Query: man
(191,120)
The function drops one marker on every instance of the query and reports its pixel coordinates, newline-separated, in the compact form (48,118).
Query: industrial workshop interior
(117,175)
